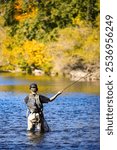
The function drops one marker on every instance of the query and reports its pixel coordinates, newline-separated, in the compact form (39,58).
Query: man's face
(33,89)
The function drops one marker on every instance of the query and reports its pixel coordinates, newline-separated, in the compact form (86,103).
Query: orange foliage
(25,16)
(30,11)
(18,5)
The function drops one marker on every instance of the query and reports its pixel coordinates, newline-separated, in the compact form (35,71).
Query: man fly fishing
(34,102)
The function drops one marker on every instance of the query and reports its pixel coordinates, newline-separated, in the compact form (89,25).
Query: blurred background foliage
(51,35)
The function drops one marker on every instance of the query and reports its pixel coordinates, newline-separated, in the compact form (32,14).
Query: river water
(74,117)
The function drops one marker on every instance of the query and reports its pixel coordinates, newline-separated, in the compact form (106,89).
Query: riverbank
(91,74)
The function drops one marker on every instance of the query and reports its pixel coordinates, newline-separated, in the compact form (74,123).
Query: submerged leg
(31,126)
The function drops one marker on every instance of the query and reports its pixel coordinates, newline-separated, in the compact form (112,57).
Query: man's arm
(26,99)
(55,96)
(44,99)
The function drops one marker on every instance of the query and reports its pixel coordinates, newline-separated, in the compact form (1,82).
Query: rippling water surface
(73,118)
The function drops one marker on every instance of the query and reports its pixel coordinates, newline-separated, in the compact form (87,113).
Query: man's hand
(55,96)
(60,92)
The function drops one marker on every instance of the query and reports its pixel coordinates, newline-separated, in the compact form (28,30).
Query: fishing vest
(34,105)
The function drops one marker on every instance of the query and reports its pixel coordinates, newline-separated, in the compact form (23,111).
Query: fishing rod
(74,83)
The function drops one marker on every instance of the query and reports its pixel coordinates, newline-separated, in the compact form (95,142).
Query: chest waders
(35,107)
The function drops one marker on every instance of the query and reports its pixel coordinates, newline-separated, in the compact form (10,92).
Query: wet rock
(77,74)
(84,76)
(38,72)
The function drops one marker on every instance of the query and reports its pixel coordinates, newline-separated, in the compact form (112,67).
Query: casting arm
(55,96)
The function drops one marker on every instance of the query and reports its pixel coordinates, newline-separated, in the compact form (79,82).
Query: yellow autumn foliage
(79,22)
(75,45)
(36,53)
(90,49)
(30,53)
(24,48)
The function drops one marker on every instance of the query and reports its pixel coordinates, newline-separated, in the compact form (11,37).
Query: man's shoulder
(42,96)
(44,99)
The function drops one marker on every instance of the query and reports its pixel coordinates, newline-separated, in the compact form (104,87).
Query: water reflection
(13,82)
(35,137)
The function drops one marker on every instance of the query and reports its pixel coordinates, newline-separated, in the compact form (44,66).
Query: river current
(73,118)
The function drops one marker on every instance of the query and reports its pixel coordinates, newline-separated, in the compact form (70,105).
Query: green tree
(51,15)
(9,13)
